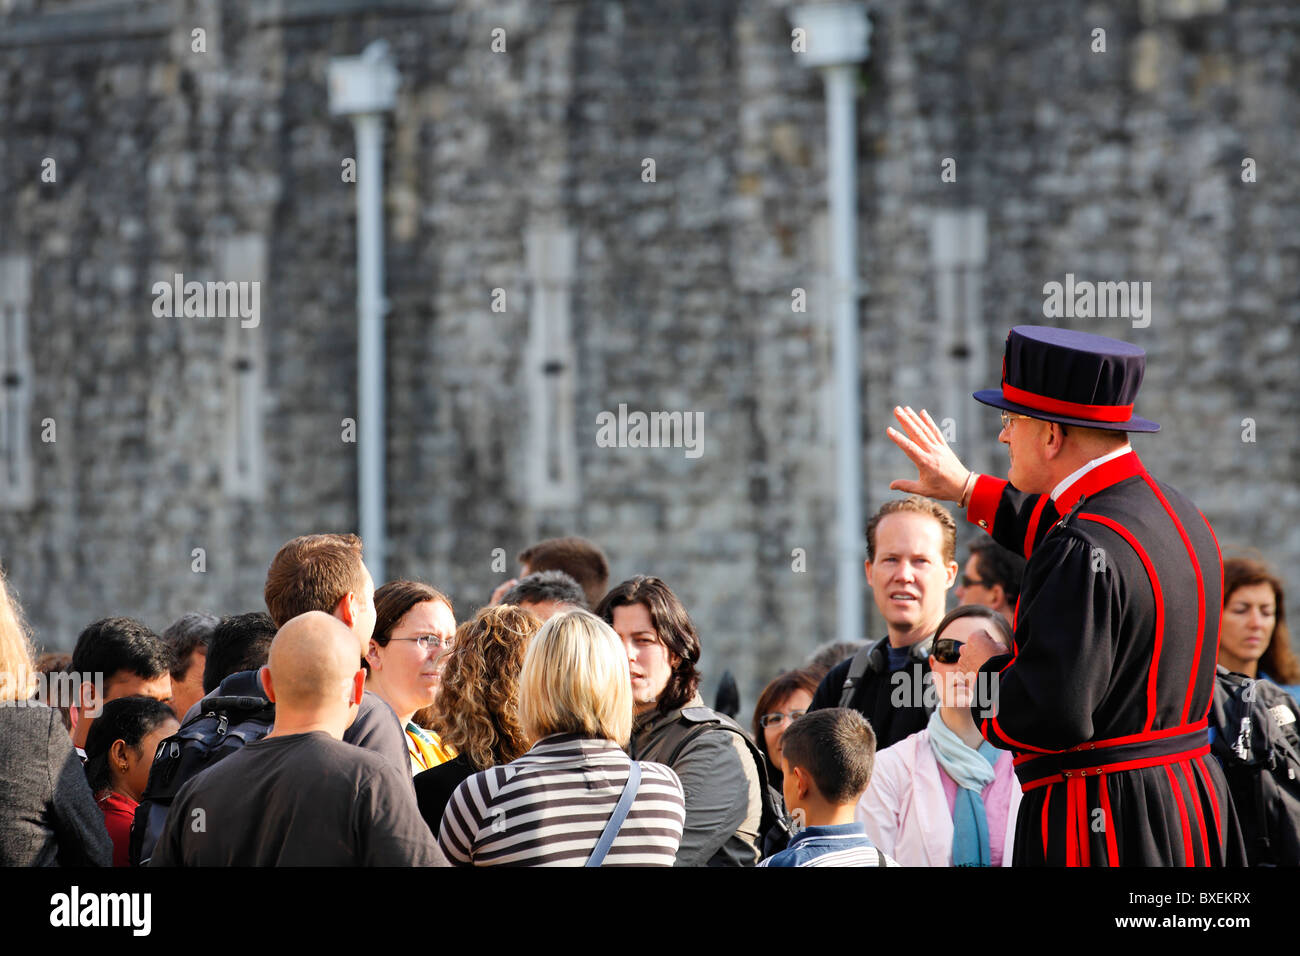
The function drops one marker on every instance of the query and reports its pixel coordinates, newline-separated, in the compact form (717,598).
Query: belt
(1113,755)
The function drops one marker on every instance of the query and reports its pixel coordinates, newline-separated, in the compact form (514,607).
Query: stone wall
(1116,165)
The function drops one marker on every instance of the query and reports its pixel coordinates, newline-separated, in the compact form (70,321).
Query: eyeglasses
(947,650)
(969,582)
(427,641)
(767,720)
(1008,418)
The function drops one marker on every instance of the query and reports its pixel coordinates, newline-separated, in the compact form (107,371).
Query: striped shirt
(548,808)
(843,845)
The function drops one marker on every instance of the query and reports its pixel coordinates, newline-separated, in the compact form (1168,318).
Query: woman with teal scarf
(945,796)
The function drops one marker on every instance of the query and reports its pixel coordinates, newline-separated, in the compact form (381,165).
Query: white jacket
(906,810)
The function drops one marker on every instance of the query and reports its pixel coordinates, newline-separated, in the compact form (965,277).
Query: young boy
(827,756)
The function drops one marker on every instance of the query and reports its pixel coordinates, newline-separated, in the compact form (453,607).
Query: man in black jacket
(911,564)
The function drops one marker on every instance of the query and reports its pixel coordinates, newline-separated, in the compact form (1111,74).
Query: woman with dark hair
(1253,638)
(119,753)
(724,803)
(414,628)
(782,701)
(944,796)
(48,815)
(478,704)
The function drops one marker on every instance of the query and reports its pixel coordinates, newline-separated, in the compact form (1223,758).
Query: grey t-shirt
(301,800)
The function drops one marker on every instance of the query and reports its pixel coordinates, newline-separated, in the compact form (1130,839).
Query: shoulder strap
(617,817)
(861,664)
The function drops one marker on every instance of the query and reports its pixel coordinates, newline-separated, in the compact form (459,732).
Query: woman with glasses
(783,700)
(414,627)
(944,796)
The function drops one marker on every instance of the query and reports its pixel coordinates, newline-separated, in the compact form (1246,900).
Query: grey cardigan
(48,816)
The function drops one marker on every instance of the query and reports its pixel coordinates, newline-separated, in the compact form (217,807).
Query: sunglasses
(947,650)
(969,582)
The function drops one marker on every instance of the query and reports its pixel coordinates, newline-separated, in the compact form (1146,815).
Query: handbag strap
(619,815)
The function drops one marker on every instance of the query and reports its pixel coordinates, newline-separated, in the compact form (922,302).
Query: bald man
(300,796)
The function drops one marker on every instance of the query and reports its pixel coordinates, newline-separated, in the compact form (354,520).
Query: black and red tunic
(1105,696)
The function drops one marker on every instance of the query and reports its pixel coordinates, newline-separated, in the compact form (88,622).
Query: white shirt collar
(1095,463)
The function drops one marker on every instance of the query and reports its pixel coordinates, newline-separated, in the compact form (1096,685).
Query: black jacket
(892,702)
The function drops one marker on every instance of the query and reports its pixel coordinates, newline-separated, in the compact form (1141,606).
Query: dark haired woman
(1253,638)
(724,803)
(944,796)
(119,752)
(414,628)
(784,700)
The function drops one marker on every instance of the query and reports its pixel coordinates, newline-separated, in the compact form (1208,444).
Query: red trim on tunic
(1188,855)
(1200,814)
(1081,809)
(1117,767)
(1200,594)
(1120,741)
(1112,849)
(1047,801)
(1153,672)
(984,498)
(1219,633)
(1059,406)
(1033,525)
(1103,476)
(1204,775)
(1071,830)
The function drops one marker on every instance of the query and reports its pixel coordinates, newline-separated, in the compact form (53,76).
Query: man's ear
(1055,442)
(265,675)
(358,687)
(346,609)
(999,597)
(952,567)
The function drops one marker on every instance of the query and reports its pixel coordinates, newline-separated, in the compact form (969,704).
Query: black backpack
(238,715)
(1255,735)
(774,827)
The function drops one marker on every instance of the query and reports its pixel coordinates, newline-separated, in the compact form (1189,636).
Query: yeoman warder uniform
(1105,695)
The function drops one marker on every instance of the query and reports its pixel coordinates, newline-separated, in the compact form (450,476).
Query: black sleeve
(76,819)
(1066,642)
(832,685)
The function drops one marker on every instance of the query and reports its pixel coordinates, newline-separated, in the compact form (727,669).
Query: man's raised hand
(940,473)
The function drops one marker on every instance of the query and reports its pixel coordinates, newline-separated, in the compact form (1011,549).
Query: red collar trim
(1103,476)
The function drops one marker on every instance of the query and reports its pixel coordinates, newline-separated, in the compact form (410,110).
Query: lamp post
(838,38)
(364,88)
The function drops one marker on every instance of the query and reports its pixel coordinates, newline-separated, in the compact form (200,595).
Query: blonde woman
(48,815)
(574,799)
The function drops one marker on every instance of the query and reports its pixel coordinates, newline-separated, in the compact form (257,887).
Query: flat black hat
(1074,378)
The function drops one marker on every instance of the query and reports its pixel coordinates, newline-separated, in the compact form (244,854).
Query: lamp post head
(838,34)
(365,83)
